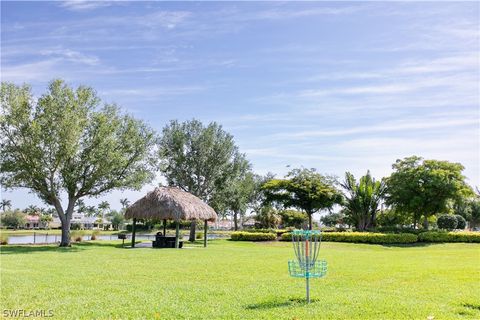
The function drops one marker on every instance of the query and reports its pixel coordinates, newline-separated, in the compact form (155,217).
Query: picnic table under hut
(170,203)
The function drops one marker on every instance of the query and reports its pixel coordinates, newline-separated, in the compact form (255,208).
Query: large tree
(304,189)
(423,188)
(66,146)
(199,159)
(362,199)
(237,194)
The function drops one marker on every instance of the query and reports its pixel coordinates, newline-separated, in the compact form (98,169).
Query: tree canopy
(68,144)
(424,187)
(304,189)
(199,159)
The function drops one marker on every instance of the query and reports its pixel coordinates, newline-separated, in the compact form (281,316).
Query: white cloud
(84,5)
(71,55)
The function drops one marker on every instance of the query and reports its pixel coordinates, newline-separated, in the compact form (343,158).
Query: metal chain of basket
(306,244)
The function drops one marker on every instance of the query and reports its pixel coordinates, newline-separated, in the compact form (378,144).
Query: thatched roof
(170,203)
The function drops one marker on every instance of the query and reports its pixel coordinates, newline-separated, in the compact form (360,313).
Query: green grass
(241,280)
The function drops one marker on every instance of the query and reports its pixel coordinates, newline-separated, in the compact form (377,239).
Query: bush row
(465,236)
(251,236)
(385,238)
(363,237)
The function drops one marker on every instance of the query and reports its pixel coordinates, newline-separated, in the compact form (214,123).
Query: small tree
(333,218)
(65,143)
(267,218)
(461,222)
(125,203)
(13,219)
(447,221)
(304,189)
(362,199)
(117,219)
(45,220)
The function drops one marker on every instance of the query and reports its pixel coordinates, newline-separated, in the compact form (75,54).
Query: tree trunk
(65,219)
(309,221)
(193,226)
(235,221)
(425,223)
(65,242)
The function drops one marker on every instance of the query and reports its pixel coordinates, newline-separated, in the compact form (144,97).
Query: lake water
(46,238)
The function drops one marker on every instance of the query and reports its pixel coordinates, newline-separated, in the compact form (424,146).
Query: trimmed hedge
(363,237)
(384,238)
(252,236)
(433,236)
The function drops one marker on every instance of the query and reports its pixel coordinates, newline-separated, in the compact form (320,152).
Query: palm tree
(103,206)
(362,199)
(90,211)
(32,210)
(125,203)
(80,206)
(6,204)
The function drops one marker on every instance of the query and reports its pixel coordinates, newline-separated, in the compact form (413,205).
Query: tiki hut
(170,203)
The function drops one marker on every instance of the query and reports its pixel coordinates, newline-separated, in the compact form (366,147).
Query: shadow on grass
(76,247)
(409,245)
(279,304)
(22,249)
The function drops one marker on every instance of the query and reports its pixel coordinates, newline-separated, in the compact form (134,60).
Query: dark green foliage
(304,189)
(432,236)
(13,219)
(250,236)
(292,218)
(420,187)
(267,218)
(332,219)
(362,200)
(394,219)
(447,222)
(461,222)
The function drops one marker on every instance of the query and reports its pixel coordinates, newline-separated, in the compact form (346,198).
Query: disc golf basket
(306,244)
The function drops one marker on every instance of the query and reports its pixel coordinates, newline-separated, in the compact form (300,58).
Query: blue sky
(332,85)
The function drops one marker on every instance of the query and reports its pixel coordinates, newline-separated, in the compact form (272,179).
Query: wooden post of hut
(205,229)
(177,233)
(133,232)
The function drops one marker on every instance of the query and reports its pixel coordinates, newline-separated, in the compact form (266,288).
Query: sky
(337,86)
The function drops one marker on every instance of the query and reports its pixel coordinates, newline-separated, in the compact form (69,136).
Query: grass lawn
(241,280)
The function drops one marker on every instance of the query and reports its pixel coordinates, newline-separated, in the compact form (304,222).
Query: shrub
(75,226)
(13,219)
(461,222)
(77,235)
(199,235)
(433,236)
(447,221)
(95,234)
(250,236)
(363,237)
(3,239)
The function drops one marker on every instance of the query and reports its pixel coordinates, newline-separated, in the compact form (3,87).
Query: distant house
(89,223)
(32,222)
